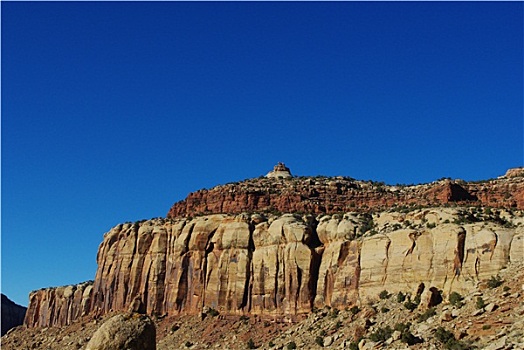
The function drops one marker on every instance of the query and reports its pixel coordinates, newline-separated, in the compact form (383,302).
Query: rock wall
(58,306)
(283,266)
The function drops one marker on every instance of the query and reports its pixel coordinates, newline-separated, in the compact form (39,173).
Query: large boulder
(130,331)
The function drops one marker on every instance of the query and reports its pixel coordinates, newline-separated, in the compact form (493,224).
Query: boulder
(125,331)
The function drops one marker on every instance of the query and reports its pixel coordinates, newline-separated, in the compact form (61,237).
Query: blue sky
(113,111)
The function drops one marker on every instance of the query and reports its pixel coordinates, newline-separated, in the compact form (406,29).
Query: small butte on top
(280,171)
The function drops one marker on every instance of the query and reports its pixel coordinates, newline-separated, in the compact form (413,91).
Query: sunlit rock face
(282,266)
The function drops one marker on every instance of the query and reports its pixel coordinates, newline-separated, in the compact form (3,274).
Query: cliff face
(12,314)
(321,195)
(58,306)
(283,266)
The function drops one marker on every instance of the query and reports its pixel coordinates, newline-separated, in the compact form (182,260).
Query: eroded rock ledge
(283,266)
(328,195)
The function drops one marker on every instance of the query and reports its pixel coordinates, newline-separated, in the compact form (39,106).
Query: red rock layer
(332,195)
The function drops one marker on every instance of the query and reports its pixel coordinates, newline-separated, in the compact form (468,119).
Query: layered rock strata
(320,195)
(283,266)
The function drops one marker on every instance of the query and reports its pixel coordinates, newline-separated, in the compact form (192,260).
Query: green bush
(427,314)
(354,310)
(455,299)
(291,345)
(353,345)
(213,312)
(381,334)
(408,338)
(319,340)
(406,335)
(401,297)
(447,339)
(480,303)
(402,327)
(494,282)
(410,305)
(443,335)
(384,294)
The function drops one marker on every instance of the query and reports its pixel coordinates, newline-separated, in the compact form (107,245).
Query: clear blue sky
(113,111)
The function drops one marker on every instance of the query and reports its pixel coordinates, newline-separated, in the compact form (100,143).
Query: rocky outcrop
(280,171)
(58,306)
(12,314)
(284,266)
(321,195)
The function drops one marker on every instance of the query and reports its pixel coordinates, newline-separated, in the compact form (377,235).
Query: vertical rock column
(285,267)
(228,268)
(339,271)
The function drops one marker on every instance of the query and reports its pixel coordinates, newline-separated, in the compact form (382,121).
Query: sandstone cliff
(282,266)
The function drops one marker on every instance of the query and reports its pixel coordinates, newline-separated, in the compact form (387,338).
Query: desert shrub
(213,312)
(401,297)
(367,225)
(455,299)
(402,327)
(480,303)
(494,282)
(410,305)
(443,335)
(271,344)
(323,333)
(381,334)
(334,313)
(431,225)
(188,344)
(427,314)
(291,345)
(319,340)
(406,335)
(354,310)
(408,338)
(384,294)
(448,341)
(384,310)
(506,289)
(338,324)
(251,344)
(486,326)
(353,345)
